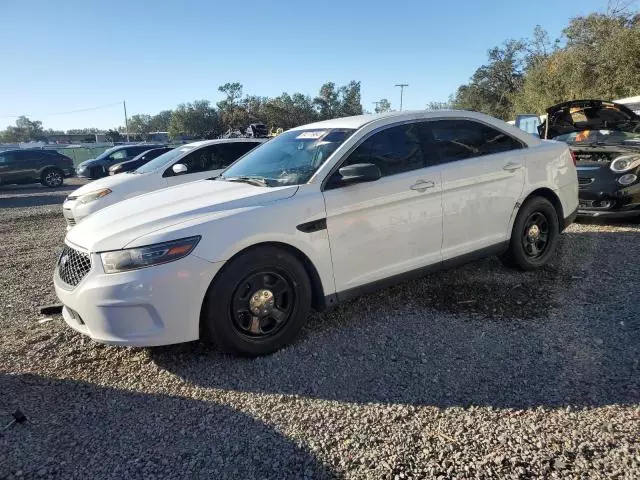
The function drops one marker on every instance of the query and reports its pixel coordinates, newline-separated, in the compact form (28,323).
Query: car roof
(359,121)
(202,143)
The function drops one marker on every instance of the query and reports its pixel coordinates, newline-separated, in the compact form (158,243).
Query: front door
(482,179)
(389,226)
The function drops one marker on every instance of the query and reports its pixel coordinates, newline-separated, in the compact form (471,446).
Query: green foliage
(160,122)
(198,119)
(25,130)
(140,125)
(113,136)
(598,56)
(383,105)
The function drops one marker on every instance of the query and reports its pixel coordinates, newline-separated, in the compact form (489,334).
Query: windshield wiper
(258,181)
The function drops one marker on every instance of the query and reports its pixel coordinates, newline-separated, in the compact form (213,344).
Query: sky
(64,56)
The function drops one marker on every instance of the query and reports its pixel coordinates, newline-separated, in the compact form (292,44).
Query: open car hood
(582,115)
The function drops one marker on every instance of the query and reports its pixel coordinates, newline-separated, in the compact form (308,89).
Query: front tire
(258,303)
(535,235)
(52,178)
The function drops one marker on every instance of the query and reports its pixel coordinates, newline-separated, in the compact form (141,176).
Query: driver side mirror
(179,168)
(359,172)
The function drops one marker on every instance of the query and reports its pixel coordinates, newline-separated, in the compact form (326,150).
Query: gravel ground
(480,372)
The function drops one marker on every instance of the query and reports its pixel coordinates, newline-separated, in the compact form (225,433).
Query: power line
(65,113)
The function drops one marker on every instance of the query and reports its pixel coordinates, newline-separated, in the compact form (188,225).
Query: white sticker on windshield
(311,135)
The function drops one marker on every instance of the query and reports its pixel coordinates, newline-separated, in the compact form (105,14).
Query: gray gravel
(480,372)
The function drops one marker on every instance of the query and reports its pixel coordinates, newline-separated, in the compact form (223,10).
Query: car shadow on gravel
(81,430)
(477,335)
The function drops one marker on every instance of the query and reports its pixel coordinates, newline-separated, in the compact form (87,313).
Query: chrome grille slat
(73,266)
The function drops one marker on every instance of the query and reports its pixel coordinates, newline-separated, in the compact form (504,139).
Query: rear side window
(394,150)
(455,140)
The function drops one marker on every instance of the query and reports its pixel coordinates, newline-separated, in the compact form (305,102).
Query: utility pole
(126,120)
(401,85)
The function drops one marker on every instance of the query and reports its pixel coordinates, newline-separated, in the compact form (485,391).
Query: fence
(80,154)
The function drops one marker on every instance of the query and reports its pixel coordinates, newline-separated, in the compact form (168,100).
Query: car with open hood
(604,138)
(315,216)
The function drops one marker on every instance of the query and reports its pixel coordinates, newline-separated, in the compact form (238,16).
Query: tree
(232,113)
(327,102)
(598,59)
(288,111)
(84,131)
(25,131)
(493,86)
(439,105)
(140,125)
(198,119)
(383,105)
(350,103)
(113,136)
(160,121)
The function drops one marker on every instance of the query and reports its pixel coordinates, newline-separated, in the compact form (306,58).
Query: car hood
(114,182)
(118,225)
(90,162)
(582,115)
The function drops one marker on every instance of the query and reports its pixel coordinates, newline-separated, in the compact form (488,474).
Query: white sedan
(187,163)
(311,218)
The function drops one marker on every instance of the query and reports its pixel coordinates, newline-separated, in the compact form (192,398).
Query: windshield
(164,159)
(291,158)
(606,137)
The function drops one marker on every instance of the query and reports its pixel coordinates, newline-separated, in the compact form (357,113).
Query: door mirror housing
(179,168)
(359,172)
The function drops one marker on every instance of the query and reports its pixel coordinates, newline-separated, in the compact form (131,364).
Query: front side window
(119,155)
(455,140)
(291,158)
(394,150)
(165,159)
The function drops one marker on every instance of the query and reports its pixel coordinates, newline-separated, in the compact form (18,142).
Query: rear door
(482,179)
(27,164)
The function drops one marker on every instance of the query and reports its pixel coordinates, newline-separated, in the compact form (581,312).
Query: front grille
(70,221)
(585,181)
(73,266)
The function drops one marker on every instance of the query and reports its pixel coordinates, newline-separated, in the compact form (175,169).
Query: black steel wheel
(258,303)
(262,303)
(535,235)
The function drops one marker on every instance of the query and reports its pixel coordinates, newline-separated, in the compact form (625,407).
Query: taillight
(574,158)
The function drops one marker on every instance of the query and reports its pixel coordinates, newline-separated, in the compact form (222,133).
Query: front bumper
(157,305)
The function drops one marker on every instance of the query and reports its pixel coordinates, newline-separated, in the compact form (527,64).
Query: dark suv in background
(99,167)
(30,166)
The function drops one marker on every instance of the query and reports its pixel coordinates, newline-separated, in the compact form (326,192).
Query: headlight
(627,179)
(625,163)
(134,258)
(91,196)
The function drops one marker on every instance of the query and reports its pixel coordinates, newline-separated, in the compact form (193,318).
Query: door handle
(512,167)
(422,185)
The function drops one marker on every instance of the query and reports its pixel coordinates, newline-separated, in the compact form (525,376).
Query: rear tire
(535,235)
(258,303)
(52,178)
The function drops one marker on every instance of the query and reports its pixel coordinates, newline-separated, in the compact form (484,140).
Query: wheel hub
(262,302)
(534,232)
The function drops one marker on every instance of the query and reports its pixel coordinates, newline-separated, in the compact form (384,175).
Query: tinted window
(27,155)
(460,139)
(6,157)
(119,155)
(394,150)
(203,159)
